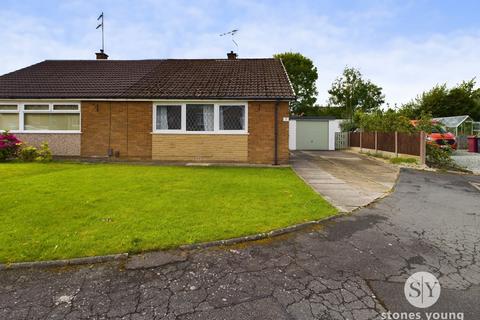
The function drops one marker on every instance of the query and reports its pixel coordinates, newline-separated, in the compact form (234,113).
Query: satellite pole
(100,17)
(231,33)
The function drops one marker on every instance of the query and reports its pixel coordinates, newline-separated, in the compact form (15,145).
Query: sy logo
(422,289)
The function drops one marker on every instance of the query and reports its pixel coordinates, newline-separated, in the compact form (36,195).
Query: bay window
(219,118)
(40,117)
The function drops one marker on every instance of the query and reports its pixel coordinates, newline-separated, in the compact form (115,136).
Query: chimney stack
(232,55)
(101,55)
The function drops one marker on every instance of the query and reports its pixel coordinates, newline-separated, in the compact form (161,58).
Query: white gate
(341,140)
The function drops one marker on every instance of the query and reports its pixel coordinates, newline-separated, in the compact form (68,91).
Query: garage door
(312,135)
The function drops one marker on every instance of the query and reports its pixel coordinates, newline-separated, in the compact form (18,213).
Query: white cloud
(404,67)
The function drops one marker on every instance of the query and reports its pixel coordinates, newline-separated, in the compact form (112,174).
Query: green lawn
(66,210)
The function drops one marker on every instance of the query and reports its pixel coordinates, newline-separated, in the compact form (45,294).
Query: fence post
(396,144)
(376,143)
(360,141)
(423,148)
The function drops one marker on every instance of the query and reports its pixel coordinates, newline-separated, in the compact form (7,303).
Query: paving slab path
(347,180)
(353,267)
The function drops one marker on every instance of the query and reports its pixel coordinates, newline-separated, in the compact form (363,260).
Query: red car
(440,136)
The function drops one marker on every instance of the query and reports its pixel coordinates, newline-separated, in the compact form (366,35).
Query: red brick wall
(122,126)
(95,129)
(261,139)
(126,127)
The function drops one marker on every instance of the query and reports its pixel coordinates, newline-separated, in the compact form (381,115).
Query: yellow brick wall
(200,147)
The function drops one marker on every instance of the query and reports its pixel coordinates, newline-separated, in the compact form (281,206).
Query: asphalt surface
(353,267)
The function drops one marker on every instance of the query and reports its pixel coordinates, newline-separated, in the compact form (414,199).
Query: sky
(405,47)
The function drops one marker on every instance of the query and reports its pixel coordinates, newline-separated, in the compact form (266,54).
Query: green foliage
(348,125)
(44,153)
(27,154)
(326,111)
(440,101)
(30,154)
(383,121)
(351,92)
(440,157)
(399,160)
(303,76)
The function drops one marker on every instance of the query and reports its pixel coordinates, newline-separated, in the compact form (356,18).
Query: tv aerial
(232,34)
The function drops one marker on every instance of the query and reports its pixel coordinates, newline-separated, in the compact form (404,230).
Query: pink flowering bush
(9,146)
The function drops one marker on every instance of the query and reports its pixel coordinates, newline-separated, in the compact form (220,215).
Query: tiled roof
(149,79)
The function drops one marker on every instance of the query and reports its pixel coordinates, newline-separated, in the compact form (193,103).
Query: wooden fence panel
(386,141)
(409,143)
(368,140)
(354,139)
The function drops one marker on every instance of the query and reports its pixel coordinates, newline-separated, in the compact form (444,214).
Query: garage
(313,133)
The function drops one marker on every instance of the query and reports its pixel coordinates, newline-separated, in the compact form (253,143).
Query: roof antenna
(101,55)
(231,33)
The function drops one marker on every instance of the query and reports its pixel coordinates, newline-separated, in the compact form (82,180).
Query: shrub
(44,153)
(440,158)
(27,154)
(9,146)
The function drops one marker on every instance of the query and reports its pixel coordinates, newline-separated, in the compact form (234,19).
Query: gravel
(469,160)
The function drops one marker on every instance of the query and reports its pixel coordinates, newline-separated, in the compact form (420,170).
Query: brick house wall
(261,139)
(200,147)
(124,127)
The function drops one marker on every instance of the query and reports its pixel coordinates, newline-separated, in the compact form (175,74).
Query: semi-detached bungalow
(199,110)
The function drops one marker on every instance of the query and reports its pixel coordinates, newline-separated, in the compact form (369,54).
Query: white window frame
(216,117)
(21,115)
(13,112)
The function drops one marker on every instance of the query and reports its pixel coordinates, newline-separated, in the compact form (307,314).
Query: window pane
(232,117)
(35,107)
(8,121)
(58,107)
(199,117)
(52,121)
(9,107)
(169,117)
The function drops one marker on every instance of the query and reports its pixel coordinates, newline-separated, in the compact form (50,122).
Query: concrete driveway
(347,180)
(353,267)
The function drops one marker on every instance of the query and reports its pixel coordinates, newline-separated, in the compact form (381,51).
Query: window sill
(45,131)
(201,132)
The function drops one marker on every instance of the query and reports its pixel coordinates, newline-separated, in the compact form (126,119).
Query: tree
(303,75)
(441,101)
(351,92)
